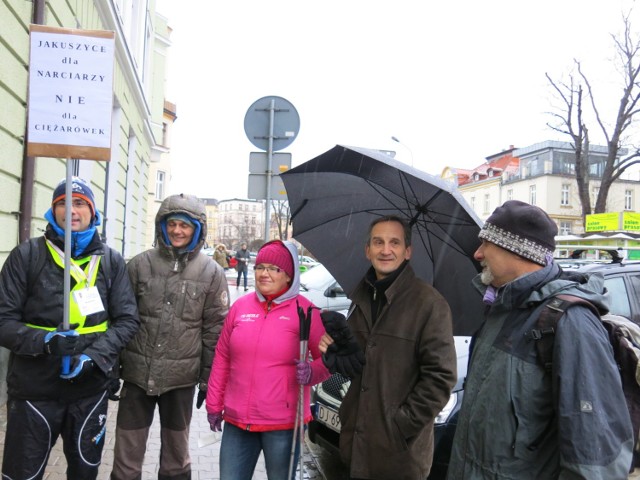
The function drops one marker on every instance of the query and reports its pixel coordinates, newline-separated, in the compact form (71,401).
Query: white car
(319,286)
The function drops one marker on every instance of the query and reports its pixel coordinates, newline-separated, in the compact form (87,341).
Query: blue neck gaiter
(79,240)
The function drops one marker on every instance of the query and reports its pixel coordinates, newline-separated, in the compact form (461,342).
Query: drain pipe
(28,162)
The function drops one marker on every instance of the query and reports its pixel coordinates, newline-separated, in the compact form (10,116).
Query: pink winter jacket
(253,380)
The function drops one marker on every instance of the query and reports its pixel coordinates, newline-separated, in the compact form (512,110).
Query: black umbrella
(335,196)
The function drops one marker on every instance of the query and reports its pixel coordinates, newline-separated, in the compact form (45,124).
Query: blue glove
(215,421)
(303,372)
(80,366)
(62,342)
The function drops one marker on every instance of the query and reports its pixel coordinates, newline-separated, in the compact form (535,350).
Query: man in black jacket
(242,256)
(47,399)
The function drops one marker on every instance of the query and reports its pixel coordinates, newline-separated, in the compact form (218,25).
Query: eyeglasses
(270,269)
(75,203)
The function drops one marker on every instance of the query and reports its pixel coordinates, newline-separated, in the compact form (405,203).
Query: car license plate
(329,417)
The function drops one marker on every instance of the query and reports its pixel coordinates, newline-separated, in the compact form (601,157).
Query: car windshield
(314,276)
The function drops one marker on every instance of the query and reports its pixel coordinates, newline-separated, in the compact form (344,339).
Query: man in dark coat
(403,325)
(242,257)
(45,401)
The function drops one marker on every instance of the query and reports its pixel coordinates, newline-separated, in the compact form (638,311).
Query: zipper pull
(375,294)
(175,266)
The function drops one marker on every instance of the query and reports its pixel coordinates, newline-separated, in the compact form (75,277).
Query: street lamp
(395,139)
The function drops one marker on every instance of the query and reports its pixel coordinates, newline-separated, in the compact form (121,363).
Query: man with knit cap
(183,299)
(46,401)
(519,420)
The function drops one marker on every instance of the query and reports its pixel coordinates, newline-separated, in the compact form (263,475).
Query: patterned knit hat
(276,253)
(79,188)
(523,229)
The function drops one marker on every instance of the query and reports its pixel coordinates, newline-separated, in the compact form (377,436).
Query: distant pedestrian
(242,257)
(221,256)
(183,298)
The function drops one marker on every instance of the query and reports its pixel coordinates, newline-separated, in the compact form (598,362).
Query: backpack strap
(37,257)
(547,325)
(106,265)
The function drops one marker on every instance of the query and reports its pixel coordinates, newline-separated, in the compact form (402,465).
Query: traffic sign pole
(271,133)
(267,220)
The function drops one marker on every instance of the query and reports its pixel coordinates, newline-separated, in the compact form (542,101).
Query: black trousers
(34,426)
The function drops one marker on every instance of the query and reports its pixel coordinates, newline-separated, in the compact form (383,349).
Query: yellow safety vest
(84,278)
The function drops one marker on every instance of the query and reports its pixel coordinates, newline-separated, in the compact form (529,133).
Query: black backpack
(625,352)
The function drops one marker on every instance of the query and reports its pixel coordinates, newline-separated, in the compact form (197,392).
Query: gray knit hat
(523,229)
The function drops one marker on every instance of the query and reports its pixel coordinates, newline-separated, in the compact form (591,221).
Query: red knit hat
(276,253)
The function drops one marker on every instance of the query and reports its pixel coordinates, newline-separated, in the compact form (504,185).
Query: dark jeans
(241,273)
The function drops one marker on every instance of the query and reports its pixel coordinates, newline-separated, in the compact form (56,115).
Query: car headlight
(446,412)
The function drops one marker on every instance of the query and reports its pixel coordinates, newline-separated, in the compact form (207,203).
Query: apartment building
(542,174)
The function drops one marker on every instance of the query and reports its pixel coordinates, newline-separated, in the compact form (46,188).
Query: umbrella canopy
(335,196)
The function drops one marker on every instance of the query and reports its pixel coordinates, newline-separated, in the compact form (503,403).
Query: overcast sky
(455,81)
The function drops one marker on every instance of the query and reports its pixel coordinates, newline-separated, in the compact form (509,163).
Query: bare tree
(281,216)
(571,123)
(616,134)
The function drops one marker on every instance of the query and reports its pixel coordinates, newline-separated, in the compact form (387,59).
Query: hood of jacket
(294,288)
(536,287)
(188,205)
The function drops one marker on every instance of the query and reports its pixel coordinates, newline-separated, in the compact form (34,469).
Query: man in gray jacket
(517,419)
(183,299)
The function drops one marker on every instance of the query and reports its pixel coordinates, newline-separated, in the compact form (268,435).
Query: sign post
(70,105)
(271,124)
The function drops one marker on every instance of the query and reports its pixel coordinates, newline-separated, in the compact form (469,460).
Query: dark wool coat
(388,413)
(183,299)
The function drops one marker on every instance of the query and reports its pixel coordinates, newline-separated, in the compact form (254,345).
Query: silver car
(319,286)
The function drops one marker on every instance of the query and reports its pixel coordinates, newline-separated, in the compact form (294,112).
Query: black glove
(112,388)
(346,361)
(336,326)
(81,365)
(202,395)
(62,342)
(344,355)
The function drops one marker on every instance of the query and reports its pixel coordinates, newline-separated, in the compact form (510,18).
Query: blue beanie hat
(79,188)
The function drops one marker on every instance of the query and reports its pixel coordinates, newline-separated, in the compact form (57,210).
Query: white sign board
(70,93)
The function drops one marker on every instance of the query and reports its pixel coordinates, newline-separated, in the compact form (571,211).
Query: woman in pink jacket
(254,384)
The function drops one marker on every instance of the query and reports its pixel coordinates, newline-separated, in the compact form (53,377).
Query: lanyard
(79,274)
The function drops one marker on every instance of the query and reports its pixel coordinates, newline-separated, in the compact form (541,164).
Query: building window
(565,228)
(628,200)
(510,194)
(564,194)
(532,194)
(160,184)
(486,203)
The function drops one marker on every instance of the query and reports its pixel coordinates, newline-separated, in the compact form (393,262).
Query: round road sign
(286,123)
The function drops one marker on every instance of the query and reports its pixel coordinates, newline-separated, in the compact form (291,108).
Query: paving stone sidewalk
(204,461)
